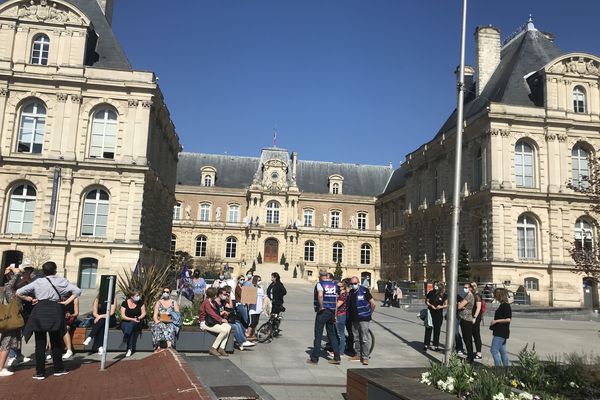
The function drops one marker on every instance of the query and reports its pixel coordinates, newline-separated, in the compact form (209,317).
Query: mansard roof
(396,181)
(238,172)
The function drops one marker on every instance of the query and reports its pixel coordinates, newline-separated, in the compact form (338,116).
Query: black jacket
(47,316)
(275,292)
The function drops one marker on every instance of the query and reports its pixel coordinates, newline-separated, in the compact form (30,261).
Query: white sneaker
(248,344)
(100,350)
(241,347)
(67,355)
(5,372)
(23,360)
(128,354)
(11,361)
(48,357)
(87,341)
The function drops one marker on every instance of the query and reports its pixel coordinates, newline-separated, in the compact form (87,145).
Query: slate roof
(110,54)
(312,176)
(396,181)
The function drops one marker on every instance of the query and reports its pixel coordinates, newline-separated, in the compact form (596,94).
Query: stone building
(88,152)
(532,119)
(239,209)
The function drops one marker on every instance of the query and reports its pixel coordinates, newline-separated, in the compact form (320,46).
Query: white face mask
(224,297)
(221,277)
(166,295)
(258,282)
(355,286)
(436,287)
(136,298)
(249,276)
(466,290)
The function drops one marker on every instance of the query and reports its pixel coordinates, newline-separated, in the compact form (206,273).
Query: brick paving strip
(164,375)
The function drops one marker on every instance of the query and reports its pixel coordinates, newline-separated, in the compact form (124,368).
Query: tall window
(40,49)
(362,221)
(95,214)
(365,254)
(478,171)
(201,242)
(204,212)
(173,246)
(31,128)
(272,212)
(87,273)
(584,235)
(230,247)
(578,100)
(234,213)
(104,134)
(524,164)
(580,167)
(526,237)
(208,180)
(335,188)
(338,250)
(308,218)
(21,209)
(335,219)
(177,212)
(309,251)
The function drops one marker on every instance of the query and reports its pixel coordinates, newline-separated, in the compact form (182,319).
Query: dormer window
(335,189)
(208,176)
(578,99)
(40,50)
(208,181)
(335,184)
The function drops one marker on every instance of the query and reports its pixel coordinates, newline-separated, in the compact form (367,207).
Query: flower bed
(571,376)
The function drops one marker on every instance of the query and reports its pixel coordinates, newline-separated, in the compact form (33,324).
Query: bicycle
(372,342)
(270,329)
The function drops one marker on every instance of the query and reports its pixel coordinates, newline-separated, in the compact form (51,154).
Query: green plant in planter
(148,281)
(286,266)
(488,383)
(259,258)
(282,260)
(462,373)
(529,369)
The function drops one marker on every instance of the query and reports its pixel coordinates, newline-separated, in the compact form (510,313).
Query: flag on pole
(136,270)
(185,275)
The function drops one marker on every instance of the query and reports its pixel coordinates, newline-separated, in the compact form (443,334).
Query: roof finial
(530,26)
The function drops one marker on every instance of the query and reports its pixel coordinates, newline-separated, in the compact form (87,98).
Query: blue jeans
(499,352)
(130,333)
(325,319)
(238,333)
(243,311)
(341,330)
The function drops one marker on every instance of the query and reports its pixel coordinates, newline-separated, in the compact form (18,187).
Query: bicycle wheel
(372,341)
(264,332)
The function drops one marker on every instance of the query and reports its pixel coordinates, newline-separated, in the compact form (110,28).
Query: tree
(37,256)
(282,260)
(210,265)
(295,272)
(176,264)
(464,270)
(259,258)
(337,274)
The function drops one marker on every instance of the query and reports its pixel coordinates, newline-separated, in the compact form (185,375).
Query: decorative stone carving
(133,102)
(188,212)
(62,97)
(562,137)
(577,66)
(43,11)
(550,136)
(497,131)
(3,92)
(75,98)
(147,103)
(218,214)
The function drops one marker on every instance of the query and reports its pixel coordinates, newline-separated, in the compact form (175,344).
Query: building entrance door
(590,293)
(271,250)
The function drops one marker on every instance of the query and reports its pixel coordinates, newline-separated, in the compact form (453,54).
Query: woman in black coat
(275,292)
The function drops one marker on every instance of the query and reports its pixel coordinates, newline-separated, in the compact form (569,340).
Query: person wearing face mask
(164,329)
(324,302)
(241,309)
(133,312)
(227,309)
(437,301)
(220,283)
(198,285)
(229,281)
(248,281)
(361,306)
(465,315)
(255,309)
(211,321)
(275,292)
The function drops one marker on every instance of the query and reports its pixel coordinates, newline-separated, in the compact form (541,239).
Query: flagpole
(452,280)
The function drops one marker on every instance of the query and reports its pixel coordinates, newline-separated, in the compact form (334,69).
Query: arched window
(578,99)
(204,212)
(335,188)
(272,212)
(338,250)
(365,254)
(527,237)
(177,212)
(208,181)
(308,218)
(40,49)
(524,164)
(584,235)
(31,128)
(201,242)
(580,167)
(309,251)
(532,283)
(478,171)
(335,219)
(230,247)
(21,209)
(234,213)
(362,221)
(95,213)
(173,244)
(104,134)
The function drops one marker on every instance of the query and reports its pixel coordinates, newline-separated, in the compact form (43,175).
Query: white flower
(471,380)
(525,396)
(499,396)
(425,378)
(573,385)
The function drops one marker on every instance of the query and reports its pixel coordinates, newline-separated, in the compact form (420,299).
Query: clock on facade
(274,176)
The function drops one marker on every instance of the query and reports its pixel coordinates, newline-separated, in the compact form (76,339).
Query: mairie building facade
(532,120)
(88,152)
(239,210)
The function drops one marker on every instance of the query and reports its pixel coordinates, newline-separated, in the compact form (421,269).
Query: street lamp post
(453,276)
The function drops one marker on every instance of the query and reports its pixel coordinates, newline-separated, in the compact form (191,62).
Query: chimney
(107,8)
(487,54)
(469,81)
(294,160)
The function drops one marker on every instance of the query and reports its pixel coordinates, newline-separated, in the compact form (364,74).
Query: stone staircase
(266,269)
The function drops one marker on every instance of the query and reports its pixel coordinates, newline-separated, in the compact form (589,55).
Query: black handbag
(210,321)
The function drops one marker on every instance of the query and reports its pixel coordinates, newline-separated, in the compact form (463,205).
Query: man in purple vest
(325,299)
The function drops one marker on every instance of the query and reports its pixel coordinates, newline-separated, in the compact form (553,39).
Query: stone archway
(271,251)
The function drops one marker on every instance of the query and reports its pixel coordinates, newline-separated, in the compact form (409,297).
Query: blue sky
(360,81)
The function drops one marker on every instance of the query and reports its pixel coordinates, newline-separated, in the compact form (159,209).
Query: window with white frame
(308,218)
(580,167)
(177,212)
(272,212)
(578,99)
(335,219)
(104,134)
(584,235)
(524,164)
(173,244)
(40,50)
(32,125)
(95,213)
(338,250)
(201,242)
(309,251)
(527,237)
(335,189)
(234,213)
(362,221)
(231,247)
(365,254)
(532,284)
(204,212)
(208,180)
(21,209)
